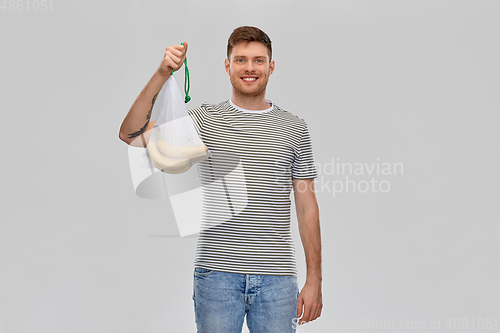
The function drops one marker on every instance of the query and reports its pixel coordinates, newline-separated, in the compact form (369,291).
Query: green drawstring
(187,83)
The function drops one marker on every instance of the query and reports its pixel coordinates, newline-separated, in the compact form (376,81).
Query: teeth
(249,78)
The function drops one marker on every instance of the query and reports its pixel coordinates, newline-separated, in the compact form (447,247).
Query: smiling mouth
(249,79)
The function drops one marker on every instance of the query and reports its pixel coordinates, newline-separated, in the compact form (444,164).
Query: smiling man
(245,259)
(249,66)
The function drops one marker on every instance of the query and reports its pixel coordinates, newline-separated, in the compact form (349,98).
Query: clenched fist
(173,58)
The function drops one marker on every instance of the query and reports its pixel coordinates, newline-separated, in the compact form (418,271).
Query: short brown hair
(248,34)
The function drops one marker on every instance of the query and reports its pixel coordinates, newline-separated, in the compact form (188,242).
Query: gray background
(411,82)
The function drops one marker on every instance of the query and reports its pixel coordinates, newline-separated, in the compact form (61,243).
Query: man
(245,260)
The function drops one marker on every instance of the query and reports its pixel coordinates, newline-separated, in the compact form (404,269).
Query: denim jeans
(221,301)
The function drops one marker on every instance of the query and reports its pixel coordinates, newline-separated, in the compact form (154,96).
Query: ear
(227,66)
(271,67)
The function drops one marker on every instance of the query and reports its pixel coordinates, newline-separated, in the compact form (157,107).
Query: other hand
(311,299)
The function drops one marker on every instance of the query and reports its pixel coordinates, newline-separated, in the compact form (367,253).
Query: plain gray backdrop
(380,83)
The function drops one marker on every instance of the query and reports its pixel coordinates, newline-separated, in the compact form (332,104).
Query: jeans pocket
(202,272)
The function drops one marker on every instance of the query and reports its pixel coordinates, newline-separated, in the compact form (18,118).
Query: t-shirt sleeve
(303,166)
(198,115)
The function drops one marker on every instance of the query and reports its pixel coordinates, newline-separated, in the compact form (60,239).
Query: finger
(179,47)
(173,57)
(307,313)
(312,312)
(170,64)
(173,51)
(317,313)
(185,47)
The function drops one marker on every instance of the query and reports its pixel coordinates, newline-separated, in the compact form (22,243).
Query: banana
(191,152)
(174,159)
(167,164)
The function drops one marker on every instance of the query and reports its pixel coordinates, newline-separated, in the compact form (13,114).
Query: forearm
(310,235)
(137,119)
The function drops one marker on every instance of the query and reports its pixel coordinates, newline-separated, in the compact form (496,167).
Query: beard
(257,91)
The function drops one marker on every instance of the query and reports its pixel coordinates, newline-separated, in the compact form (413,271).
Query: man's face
(249,68)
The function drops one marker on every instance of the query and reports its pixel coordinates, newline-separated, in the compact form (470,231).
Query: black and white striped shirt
(246,186)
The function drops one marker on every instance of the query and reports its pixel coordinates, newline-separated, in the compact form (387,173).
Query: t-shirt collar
(252,111)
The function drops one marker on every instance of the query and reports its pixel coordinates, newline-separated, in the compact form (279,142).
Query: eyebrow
(242,56)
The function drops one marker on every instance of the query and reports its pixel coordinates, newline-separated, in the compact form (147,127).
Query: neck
(250,103)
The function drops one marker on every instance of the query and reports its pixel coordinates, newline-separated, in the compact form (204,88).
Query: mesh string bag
(174,145)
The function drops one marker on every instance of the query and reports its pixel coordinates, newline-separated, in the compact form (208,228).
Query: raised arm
(135,127)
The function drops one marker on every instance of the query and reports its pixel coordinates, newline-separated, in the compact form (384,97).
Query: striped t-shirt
(246,187)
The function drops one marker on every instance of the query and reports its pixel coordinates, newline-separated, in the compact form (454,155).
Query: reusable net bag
(174,145)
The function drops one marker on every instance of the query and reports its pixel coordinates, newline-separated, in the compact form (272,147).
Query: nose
(249,66)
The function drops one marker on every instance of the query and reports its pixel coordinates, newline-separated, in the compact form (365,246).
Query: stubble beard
(260,91)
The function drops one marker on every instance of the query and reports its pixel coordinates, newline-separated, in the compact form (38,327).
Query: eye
(259,61)
(240,60)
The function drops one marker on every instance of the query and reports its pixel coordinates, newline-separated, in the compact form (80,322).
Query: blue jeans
(221,301)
